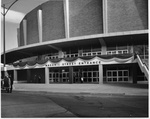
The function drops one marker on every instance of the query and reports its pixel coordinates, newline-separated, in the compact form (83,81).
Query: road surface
(43,104)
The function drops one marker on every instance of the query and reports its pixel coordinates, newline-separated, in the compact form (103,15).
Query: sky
(13,19)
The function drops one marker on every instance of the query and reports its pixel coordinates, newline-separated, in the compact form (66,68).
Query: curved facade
(68,18)
(93,39)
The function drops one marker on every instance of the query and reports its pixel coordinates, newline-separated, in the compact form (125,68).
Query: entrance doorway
(60,75)
(117,75)
(88,74)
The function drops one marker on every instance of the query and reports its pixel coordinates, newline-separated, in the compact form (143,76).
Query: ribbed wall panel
(127,15)
(32,27)
(53,20)
(85,17)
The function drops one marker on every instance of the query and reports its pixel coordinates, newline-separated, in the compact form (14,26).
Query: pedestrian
(35,78)
(11,81)
(81,79)
(39,79)
(7,82)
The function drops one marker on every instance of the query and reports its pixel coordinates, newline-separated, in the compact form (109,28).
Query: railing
(143,67)
(144,59)
(112,52)
(71,55)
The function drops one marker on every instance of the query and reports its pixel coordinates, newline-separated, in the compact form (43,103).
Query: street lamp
(4,14)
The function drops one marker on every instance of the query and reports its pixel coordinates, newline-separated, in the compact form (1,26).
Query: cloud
(13,16)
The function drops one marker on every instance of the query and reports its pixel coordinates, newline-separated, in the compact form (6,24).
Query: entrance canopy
(76,42)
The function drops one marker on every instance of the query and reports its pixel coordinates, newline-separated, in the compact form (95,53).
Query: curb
(78,93)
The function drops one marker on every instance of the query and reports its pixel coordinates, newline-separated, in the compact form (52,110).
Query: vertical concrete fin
(105,24)
(18,36)
(25,31)
(66,14)
(39,15)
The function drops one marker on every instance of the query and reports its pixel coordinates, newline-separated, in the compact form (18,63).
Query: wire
(8,2)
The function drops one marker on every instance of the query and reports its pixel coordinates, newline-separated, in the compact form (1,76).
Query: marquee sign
(76,62)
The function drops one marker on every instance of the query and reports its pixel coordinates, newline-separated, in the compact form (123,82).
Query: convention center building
(82,41)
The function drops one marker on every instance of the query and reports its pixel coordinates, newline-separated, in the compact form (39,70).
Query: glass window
(109,73)
(94,74)
(125,73)
(89,74)
(125,79)
(114,73)
(109,79)
(114,79)
(120,79)
(119,73)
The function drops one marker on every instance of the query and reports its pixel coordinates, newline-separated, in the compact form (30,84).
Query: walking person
(7,82)
(11,83)
(39,79)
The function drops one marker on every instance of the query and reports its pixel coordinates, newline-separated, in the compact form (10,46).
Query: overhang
(134,37)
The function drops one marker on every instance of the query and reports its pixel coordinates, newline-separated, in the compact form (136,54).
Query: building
(100,41)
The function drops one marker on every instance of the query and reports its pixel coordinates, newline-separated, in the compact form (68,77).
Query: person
(11,85)
(35,78)
(2,83)
(81,79)
(7,83)
(39,79)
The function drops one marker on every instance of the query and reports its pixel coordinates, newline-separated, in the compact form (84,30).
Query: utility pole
(4,14)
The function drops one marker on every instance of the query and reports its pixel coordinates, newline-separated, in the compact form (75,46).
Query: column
(104,50)
(105,24)
(100,73)
(46,75)
(134,73)
(71,74)
(28,75)
(18,36)
(25,31)
(15,76)
(66,14)
(39,15)
(103,46)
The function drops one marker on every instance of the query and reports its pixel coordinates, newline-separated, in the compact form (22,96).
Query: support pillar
(46,75)
(103,46)
(15,76)
(28,76)
(71,74)
(61,54)
(100,73)
(134,73)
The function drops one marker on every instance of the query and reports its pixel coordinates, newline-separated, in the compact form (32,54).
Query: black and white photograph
(74,59)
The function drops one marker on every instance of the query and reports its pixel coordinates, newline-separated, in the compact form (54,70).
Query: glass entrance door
(89,74)
(59,76)
(117,75)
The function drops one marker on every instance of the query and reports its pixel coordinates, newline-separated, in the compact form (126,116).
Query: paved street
(46,104)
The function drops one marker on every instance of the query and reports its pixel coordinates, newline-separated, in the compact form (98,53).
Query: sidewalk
(108,89)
